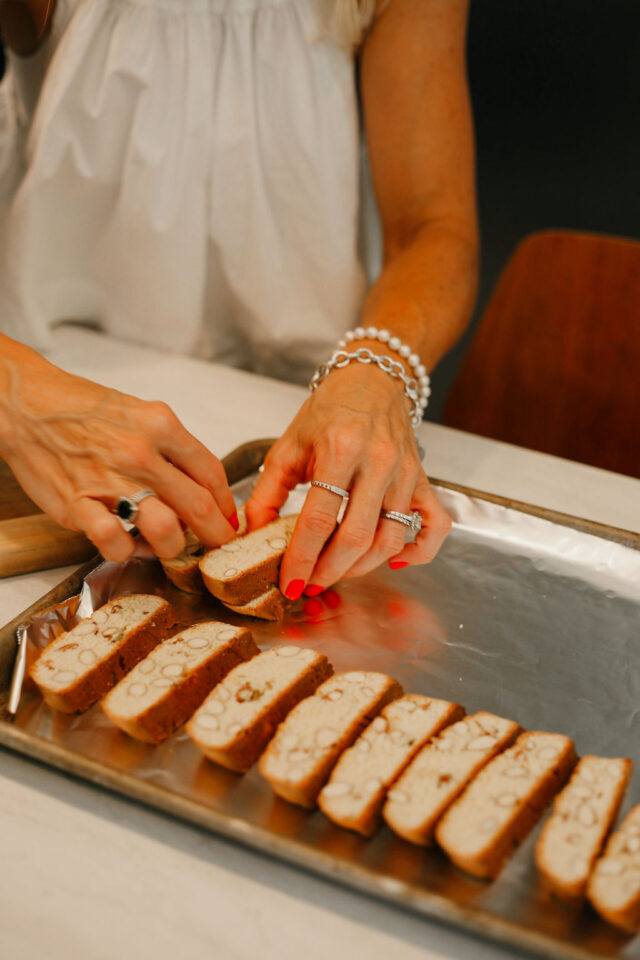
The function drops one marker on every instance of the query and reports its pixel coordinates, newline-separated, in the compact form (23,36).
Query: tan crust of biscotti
(271,605)
(356,790)
(255,698)
(241,570)
(93,680)
(184,669)
(614,885)
(583,813)
(184,570)
(486,824)
(442,770)
(308,743)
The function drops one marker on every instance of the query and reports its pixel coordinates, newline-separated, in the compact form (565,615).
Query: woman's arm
(354,431)
(76,447)
(420,139)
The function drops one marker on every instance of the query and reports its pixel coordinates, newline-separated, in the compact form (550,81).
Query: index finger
(316,524)
(283,470)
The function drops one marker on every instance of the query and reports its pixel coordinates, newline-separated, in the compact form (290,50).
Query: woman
(185,173)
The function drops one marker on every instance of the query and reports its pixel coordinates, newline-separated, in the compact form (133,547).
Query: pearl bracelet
(341,358)
(404,350)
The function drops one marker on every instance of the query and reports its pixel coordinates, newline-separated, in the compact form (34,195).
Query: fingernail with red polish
(396,564)
(233,520)
(313,590)
(294,590)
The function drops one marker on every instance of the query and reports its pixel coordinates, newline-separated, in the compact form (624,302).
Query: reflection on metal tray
(525,617)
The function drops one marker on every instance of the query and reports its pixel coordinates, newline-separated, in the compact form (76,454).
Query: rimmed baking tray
(527,613)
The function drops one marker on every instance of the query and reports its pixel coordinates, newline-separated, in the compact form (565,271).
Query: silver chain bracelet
(342,358)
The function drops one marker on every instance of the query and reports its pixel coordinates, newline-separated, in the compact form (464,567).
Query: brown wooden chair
(555,362)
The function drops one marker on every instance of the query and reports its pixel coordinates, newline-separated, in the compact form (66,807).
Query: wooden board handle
(39,543)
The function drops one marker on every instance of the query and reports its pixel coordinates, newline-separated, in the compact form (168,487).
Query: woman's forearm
(426,290)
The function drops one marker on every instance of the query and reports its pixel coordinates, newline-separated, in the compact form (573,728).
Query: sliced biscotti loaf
(243,569)
(80,666)
(308,743)
(499,807)
(614,885)
(355,792)
(184,570)
(241,714)
(583,813)
(270,605)
(441,771)
(164,689)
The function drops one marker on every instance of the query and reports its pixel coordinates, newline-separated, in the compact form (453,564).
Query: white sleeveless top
(186,177)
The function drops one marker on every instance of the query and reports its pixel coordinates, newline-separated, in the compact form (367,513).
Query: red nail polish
(313,590)
(294,590)
(396,564)
(313,607)
(233,520)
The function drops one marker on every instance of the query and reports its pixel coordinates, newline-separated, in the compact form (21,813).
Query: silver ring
(411,520)
(126,509)
(330,486)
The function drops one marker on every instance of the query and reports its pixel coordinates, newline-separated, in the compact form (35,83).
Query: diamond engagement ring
(331,487)
(126,509)
(411,520)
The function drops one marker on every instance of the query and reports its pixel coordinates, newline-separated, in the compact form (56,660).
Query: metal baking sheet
(524,617)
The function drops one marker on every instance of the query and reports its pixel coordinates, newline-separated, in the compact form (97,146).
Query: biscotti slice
(243,569)
(484,826)
(441,771)
(355,792)
(307,745)
(583,812)
(80,666)
(165,688)
(270,605)
(184,569)
(241,714)
(614,885)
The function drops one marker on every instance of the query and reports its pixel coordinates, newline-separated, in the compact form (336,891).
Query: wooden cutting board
(29,540)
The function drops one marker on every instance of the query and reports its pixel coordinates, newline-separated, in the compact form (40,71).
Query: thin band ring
(411,520)
(126,509)
(332,488)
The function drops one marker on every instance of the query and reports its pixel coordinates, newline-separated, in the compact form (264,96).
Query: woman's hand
(76,447)
(353,432)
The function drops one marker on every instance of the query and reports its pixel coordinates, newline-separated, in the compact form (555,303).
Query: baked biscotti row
(243,573)
(356,746)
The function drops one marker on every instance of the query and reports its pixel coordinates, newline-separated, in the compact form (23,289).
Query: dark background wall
(555,86)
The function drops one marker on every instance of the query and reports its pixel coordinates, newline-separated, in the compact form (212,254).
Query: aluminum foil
(517,615)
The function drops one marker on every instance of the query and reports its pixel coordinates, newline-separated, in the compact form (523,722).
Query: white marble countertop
(86,873)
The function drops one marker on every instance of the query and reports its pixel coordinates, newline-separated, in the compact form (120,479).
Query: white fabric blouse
(184,173)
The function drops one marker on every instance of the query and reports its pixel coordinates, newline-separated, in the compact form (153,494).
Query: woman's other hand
(76,447)
(354,432)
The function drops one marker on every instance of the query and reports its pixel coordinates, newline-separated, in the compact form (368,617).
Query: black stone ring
(127,508)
